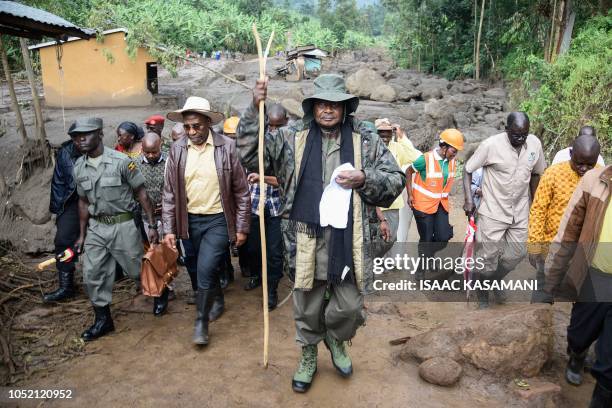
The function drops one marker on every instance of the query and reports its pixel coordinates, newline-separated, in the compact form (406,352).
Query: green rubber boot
(340,357)
(302,379)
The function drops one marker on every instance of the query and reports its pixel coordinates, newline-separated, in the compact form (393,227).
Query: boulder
(495,93)
(363,82)
(433,88)
(440,371)
(496,120)
(515,341)
(383,93)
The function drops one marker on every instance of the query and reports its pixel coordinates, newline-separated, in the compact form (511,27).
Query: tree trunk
(482,8)
(559,19)
(551,36)
(11,87)
(565,28)
(40,124)
(475,30)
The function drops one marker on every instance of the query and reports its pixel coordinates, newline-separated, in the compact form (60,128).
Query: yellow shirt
(602,259)
(404,153)
(554,192)
(201,180)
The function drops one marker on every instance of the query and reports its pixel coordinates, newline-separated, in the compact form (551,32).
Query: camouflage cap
(84,125)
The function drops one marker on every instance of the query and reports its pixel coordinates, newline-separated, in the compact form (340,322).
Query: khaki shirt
(506,176)
(110,186)
(330,150)
(201,179)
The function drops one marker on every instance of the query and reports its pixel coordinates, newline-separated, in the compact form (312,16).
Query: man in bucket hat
(326,263)
(206,200)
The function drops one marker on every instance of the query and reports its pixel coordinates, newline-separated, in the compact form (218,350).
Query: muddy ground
(150,361)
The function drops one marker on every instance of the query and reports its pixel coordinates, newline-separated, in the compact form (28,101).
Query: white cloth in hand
(335,201)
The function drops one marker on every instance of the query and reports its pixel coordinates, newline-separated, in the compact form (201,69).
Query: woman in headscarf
(129,136)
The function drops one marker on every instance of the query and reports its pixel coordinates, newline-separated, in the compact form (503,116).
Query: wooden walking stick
(263,56)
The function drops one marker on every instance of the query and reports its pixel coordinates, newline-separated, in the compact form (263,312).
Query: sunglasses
(195,126)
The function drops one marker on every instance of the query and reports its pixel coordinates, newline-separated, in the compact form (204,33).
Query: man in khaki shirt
(512,163)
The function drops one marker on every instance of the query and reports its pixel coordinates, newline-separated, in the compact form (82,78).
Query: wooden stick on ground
(262,193)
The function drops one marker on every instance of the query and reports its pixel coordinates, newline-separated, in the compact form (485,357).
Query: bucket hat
(332,88)
(197,105)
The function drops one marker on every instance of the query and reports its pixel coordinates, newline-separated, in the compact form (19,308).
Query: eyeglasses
(195,126)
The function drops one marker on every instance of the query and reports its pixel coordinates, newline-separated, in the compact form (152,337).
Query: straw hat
(197,105)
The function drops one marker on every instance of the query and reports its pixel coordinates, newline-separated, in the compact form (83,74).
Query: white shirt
(564,155)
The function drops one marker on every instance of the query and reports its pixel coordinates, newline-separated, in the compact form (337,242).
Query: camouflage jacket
(283,152)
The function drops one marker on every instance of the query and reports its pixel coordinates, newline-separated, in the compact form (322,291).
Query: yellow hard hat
(230,125)
(452,137)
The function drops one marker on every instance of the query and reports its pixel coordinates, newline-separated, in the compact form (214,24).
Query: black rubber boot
(253,283)
(602,397)
(272,295)
(218,307)
(160,304)
(483,298)
(102,325)
(204,302)
(65,290)
(575,367)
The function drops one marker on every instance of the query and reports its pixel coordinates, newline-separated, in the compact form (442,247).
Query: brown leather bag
(159,268)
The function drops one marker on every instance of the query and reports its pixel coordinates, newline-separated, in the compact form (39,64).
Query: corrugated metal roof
(21,11)
(51,43)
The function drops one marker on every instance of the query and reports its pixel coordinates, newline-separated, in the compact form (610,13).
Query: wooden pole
(14,103)
(40,124)
(262,194)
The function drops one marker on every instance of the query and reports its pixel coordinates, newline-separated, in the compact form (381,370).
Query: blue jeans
(208,234)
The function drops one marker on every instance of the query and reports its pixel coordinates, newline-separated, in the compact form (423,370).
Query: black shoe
(160,304)
(575,367)
(253,283)
(65,290)
(272,295)
(218,307)
(602,397)
(223,282)
(204,302)
(102,325)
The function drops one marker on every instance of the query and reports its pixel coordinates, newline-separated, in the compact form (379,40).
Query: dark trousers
(208,234)
(68,230)
(434,231)
(190,259)
(274,248)
(590,322)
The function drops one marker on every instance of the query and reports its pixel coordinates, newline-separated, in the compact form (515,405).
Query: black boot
(272,295)
(204,302)
(218,307)
(102,325)
(575,366)
(65,290)
(160,304)
(483,298)
(602,397)
(253,283)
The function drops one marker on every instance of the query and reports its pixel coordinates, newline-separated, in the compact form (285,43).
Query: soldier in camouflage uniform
(326,264)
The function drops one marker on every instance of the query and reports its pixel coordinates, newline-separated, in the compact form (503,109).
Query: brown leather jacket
(235,196)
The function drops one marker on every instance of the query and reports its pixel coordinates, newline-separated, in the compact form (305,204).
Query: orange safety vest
(429,193)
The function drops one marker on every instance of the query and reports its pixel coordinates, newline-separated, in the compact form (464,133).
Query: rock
(516,341)
(363,82)
(479,133)
(383,93)
(496,120)
(27,200)
(437,109)
(461,120)
(540,394)
(440,371)
(406,95)
(433,88)
(293,107)
(240,77)
(495,93)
